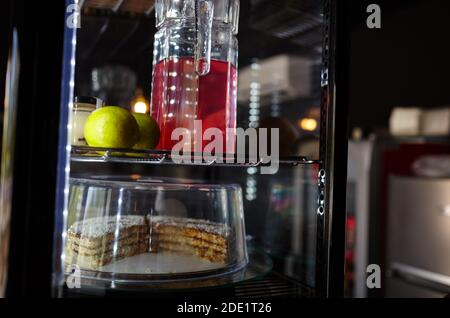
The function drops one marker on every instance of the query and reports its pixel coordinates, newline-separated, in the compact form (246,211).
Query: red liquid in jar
(180,96)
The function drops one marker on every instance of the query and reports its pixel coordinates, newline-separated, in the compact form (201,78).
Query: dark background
(405,63)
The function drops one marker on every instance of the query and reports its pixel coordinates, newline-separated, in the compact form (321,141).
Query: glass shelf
(105,155)
(259,266)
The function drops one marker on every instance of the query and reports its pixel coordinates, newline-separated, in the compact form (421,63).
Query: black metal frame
(41,41)
(332,179)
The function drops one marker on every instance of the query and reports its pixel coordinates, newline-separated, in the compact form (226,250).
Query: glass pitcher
(195,71)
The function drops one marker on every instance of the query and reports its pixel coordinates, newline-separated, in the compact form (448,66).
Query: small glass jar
(82,108)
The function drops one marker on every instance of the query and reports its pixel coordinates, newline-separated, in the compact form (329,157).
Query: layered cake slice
(95,242)
(208,240)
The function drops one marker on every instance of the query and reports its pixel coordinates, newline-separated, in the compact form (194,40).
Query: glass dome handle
(204,15)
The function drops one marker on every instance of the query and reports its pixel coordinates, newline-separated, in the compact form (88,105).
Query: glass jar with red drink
(195,71)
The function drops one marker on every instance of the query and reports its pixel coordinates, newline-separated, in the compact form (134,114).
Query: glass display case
(208,156)
(148,231)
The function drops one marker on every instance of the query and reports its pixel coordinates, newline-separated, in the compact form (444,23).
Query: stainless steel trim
(94,154)
(421,277)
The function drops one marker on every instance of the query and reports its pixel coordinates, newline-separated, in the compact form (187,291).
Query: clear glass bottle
(195,69)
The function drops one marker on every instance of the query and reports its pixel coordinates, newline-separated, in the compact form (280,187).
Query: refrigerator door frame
(332,177)
(360,162)
(41,166)
(36,145)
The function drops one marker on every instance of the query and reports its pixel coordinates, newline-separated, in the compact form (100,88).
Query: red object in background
(350,255)
(174,94)
(350,241)
(399,161)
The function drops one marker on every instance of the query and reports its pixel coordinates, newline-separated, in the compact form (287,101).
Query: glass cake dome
(135,230)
